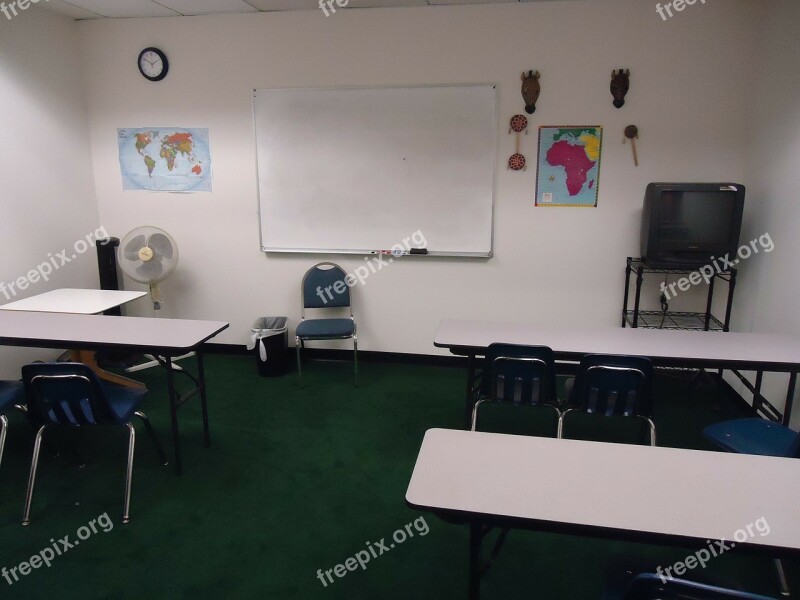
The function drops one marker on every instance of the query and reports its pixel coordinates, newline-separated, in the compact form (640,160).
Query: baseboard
(367,356)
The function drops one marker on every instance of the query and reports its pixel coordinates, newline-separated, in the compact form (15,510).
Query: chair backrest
(649,586)
(613,385)
(325,286)
(794,449)
(65,393)
(519,374)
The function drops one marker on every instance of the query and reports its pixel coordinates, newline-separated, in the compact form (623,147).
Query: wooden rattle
(518,124)
(632,134)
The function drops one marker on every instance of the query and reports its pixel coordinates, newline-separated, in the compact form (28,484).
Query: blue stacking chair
(649,586)
(519,376)
(11,394)
(70,395)
(612,385)
(757,436)
(324,286)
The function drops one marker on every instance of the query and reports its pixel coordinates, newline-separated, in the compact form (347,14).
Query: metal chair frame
(93,402)
(628,411)
(300,341)
(4,430)
(498,383)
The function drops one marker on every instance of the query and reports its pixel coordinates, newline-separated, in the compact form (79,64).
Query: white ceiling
(117,9)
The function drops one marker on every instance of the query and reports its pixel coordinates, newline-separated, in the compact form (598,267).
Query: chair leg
(652,432)
(3,433)
(129,474)
(297,344)
(37,446)
(355,359)
(475,414)
(559,433)
(782,578)
(153,437)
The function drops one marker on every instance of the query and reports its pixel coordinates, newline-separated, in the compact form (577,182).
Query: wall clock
(153,64)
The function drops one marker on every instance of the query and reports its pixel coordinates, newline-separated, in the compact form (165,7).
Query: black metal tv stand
(656,319)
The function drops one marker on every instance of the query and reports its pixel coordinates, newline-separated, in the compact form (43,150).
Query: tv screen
(685,225)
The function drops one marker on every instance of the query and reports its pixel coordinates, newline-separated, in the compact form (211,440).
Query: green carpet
(298,480)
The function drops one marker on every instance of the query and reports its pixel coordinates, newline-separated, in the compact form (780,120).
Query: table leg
(87,357)
(787,409)
(201,375)
(469,399)
(173,411)
(475,539)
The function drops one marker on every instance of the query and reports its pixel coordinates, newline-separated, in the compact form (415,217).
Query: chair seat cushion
(11,393)
(325,328)
(123,401)
(752,436)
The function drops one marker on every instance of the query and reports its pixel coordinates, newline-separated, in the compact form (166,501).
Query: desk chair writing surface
(612,386)
(324,286)
(71,395)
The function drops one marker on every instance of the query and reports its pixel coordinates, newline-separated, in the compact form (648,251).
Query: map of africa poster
(164,159)
(568,168)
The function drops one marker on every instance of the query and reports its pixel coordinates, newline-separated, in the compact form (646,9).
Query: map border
(556,201)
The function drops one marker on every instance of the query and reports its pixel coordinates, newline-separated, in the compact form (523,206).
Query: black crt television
(684,225)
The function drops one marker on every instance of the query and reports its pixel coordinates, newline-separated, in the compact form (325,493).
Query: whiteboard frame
(494,152)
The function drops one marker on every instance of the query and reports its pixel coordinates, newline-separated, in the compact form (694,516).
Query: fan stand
(156,361)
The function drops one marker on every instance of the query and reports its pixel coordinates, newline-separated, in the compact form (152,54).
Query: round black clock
(153,64)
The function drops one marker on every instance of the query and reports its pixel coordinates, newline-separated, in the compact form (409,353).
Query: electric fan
(148,255)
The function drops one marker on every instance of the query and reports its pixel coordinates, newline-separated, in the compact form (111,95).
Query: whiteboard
(359,170)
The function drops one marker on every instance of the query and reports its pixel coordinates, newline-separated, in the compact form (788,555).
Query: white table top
(662,491)
(61,330)
(715,347)
(76,301)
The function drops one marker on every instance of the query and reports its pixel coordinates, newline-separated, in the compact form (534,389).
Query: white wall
(770,288)
(47,196)
(690,96)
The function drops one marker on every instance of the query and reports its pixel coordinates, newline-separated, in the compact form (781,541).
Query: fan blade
(131,251)
(150,271)
(161,245)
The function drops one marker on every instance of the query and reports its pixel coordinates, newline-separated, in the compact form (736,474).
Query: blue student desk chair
(11,394)
(70,395)
(757,436)
(517,376)
(324,286)
(649,586)
(518,379)
(612,385)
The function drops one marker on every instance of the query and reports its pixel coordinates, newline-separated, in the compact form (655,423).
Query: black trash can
(270,340)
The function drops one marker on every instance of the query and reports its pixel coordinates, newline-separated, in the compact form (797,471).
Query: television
(684,225)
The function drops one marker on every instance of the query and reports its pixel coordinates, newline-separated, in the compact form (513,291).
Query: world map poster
(568,169)
(164,159)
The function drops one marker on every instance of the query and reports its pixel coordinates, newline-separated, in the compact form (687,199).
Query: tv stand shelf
(656,319)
